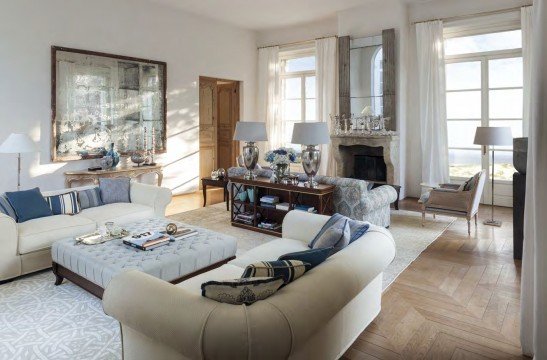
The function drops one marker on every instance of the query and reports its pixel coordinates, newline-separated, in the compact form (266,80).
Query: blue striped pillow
(90,198)
(6,209)
(290,270)
(64,204)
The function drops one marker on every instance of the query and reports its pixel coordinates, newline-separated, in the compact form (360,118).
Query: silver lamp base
(250,159)
(492,222)
(311,159)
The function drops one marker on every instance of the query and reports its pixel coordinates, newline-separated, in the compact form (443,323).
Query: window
(484,80)
(297,91)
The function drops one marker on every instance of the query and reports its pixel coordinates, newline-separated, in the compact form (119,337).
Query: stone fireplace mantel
(389,144)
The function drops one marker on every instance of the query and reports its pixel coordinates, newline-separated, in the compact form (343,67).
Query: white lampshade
(313,133)
(493,136)
(250,131)
(18,143)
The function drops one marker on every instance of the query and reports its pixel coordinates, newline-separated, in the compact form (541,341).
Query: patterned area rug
(42,321)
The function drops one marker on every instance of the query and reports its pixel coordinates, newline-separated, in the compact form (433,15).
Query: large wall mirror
(367,76)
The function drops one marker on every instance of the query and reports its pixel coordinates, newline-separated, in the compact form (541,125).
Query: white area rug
(39,320)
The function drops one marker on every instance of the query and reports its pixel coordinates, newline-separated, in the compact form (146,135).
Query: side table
(130,172)
(219,183)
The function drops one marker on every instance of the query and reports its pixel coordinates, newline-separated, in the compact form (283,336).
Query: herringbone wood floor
(459,300)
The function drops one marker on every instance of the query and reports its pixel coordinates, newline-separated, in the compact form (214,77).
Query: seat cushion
(39,234)
(269,251)
(120,213)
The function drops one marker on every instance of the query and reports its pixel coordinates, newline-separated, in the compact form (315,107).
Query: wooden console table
(321,198)
(130,172)
(219,183)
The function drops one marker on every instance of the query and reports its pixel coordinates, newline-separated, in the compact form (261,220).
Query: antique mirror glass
(366,76)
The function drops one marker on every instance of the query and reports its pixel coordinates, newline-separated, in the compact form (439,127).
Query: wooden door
(228,116)
(207,127)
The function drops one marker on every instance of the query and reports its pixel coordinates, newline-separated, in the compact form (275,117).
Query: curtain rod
(298,42)
(462,17)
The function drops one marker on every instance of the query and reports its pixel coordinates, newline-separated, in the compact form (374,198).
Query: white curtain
(326,90)
(534,261)
(526,21)
(268,95)
(432,102)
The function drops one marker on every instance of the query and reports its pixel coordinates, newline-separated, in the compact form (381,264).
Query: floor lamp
(18,144)
(492,136)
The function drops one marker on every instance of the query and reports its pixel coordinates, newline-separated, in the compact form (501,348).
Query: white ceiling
(264,14)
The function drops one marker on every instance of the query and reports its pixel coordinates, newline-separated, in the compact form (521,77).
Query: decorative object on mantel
(486,136)
(138,156)
(363,125)
(106,162)
(94,176)
(280,161)
(99,99)
(18,144)
(311,135)
(250,132)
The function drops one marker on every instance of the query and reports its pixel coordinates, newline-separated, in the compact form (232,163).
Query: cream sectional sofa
(316,317)
(26,247)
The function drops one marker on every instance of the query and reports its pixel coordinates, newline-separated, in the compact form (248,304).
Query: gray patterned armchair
(351,196)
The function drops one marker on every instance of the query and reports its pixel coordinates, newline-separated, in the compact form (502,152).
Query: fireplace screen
(371,168)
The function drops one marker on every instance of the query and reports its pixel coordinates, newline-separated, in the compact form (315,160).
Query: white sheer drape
(268,103)
(534,261)
(526,20)
(432,102)
(326,52)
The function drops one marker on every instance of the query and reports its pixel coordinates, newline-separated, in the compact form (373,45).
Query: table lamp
(18,144)
(250,132)
(311,134)
(491,136)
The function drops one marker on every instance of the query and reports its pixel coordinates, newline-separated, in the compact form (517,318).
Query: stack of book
(269,225)
(183,233)
(147,240)
(246,217)
(283,206)
(269,201)
(305,208)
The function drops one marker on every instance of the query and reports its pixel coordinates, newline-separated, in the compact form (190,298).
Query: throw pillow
(357,228)
(5,207)
(64,204)
(28,204)
(241,291)
(115,190)
(90,198)
(289,270)
(313,257)
(337,237)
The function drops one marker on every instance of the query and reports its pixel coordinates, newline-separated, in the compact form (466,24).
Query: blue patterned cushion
(5,207)
(90,198)
(313,257)
(357,228)
(289,270)
(64,204)
(337,237)
(241,291)
(115,190)
(28,204)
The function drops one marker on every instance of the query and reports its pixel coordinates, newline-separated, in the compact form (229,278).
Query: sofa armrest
(167,314)
(303,226)
(150,195)
(379,197)
(10,262)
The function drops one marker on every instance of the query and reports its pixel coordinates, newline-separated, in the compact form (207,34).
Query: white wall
(191,46)
(309,31)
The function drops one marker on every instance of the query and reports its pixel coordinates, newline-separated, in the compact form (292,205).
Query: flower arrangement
(281,156)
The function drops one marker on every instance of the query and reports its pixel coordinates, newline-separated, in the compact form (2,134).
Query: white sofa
(26,247)
(316,317)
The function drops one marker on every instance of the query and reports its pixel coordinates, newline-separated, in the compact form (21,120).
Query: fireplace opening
(371,168)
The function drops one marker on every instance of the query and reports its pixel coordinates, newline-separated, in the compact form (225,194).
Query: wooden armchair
(453,199)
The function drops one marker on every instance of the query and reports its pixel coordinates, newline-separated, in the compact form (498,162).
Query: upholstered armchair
(457,200)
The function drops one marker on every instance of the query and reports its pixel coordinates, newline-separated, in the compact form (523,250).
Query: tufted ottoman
(93,266)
